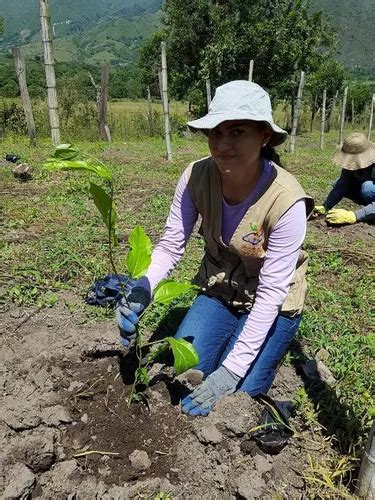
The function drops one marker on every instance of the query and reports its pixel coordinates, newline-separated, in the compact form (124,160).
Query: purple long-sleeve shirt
(274,280)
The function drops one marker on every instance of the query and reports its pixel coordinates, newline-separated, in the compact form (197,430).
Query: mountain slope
(68,16)
(112,30)
(116,41)
(355,23)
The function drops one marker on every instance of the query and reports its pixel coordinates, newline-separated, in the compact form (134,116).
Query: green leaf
(185,355)
(141,376)
(103,203)
(55,164)
(65,152)
(168,290)
(139,257)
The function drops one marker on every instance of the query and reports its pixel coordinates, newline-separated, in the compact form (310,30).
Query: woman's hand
(128,311)
(319,210)
(220,383)
(341,216)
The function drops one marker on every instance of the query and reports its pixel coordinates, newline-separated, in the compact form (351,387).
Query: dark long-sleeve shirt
(349,185)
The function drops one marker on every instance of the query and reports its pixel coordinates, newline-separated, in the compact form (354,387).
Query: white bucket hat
(240,100)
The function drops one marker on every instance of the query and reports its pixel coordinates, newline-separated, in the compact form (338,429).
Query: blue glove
(127,312)
(220,383)
(108,291)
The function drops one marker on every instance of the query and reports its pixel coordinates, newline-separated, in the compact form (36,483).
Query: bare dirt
(64,390)
(349,234)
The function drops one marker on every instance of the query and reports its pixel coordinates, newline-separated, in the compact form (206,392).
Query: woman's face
(236,144)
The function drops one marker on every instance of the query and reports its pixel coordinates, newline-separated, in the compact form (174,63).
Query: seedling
(137,263)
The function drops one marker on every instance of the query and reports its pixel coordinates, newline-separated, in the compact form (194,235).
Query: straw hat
(357,152)
(240,100)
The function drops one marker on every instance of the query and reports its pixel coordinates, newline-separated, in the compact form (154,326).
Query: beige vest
(231,272)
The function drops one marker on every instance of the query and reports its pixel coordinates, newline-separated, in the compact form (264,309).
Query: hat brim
(212,120)
(355,161)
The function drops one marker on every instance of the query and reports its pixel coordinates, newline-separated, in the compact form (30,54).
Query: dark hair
(270,153)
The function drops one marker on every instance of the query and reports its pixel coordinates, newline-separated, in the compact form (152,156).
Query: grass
(53,240)
(127,119)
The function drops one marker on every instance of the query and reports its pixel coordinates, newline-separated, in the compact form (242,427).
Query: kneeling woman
(356,182)
(252,275)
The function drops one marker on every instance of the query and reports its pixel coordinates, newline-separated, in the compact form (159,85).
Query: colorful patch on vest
(255,237)
(253,246)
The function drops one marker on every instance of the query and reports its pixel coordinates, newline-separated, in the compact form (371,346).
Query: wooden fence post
(208,91)
(323,119)
(20,66)
(251,69)
(314,110)
(164,78)
(371,117)
(103,103)
(353,112)
(342,116)
(161,88)
(49,64)
(332,112)
(296,113)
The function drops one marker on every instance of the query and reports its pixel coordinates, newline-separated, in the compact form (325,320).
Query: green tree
(149,62)
(220,37)
(330,75)
(124,82)
(360,94)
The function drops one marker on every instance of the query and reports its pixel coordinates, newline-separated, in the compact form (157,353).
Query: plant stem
(138,336)
(152,343)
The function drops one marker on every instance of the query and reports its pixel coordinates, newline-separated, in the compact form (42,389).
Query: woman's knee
(208,326)
(368,192)
(254,386)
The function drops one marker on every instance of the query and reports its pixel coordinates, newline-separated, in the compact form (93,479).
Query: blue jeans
(368,192)
(213,328)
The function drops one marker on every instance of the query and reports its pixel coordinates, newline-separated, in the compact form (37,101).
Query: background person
(252,275)
(356,182)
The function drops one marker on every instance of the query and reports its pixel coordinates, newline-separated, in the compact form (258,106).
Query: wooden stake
(160,88)
(342,116)
(208,92)
(20,66)
(314,110)
(164,81)
(251,69)
(103,102)
(353,113)
(323,119)
(371,117)
(332,111)
(296,114)
(49,64)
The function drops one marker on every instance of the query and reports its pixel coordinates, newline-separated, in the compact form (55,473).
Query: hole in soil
(104,422)
(110,353)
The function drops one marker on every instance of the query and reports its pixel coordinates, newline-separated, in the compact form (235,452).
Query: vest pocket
(295,299)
